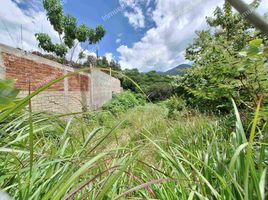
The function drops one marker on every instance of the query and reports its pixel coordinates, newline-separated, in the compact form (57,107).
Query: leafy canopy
(157,87)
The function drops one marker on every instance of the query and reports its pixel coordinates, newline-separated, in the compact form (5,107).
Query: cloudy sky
(143,34)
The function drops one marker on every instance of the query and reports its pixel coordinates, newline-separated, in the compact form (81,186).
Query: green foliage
(100,33)
(92,36)
(54,14)
(159,92)
(149,151)
(82,33)
(43,157)
(157,87)
(8,94)
(114,65)
(60,50)
(102,62)
(194,156)
(69,24)
(45,42)
(175,106)
(226,64)
(123,102)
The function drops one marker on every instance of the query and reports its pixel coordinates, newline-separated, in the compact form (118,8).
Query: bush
(124,101)
(160,92)
(174,105)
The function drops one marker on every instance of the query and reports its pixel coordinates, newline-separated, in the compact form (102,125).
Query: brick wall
(74,94)
(27,72)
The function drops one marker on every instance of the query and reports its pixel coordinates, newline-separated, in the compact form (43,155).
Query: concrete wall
(84,91)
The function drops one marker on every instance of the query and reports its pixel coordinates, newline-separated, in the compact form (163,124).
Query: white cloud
(109,57)
(13,18)
(136,18)
(263,7)
(118,40)
(33,4)
(163,46)
(175,21)
(134,11)
(75,51)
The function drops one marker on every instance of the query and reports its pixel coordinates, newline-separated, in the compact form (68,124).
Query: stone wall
(84,91)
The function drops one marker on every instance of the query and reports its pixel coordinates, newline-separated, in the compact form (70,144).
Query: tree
(68,30)
(91,60)
(102,62)
(220,71)
(157,87)
(114,65)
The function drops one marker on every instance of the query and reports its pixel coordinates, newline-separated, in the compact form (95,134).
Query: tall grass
(140,154)
(191,157)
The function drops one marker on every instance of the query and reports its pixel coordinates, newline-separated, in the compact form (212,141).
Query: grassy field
(139,154)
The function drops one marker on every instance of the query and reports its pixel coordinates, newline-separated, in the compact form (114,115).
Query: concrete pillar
(2,66)
(91,89)
(66,88)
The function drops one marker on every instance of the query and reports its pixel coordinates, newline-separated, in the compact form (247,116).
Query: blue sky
(119,31)
(143,34)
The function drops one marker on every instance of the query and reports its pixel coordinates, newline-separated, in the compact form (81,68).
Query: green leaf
(8,94)
(262,184)
(255,43)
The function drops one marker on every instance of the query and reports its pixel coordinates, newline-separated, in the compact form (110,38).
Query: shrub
(174,105)
(160,92)
(124,101)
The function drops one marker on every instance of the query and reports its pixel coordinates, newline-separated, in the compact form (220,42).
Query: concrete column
(2,66)
(66,88)
(91,90)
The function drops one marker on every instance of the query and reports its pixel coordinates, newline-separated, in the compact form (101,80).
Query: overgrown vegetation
(123,102)
(157,87)
(142,153)
(230,61)
(133,149)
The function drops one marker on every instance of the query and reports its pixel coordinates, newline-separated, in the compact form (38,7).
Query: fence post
(111,84)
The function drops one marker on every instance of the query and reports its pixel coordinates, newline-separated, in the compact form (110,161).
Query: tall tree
(70,33)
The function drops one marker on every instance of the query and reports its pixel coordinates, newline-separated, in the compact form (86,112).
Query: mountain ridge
(176,70)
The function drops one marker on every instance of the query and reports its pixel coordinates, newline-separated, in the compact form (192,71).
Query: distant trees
(91,60)
(70,33)
(157,87)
